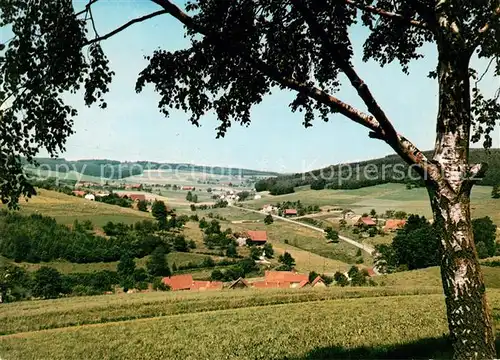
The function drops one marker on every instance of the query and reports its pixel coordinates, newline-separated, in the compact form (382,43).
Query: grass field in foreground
(431,277)
(366,327)
(69,312)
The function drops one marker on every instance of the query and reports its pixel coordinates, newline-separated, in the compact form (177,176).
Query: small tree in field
(242,50)
(126,266)
(159,211)
(47,283)
(287,261)
(268,220)
(340,279)
(495,192)
(157,264)
(332,234)
(142,205)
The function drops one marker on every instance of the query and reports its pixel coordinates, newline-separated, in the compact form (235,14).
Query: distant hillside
(112,169)
(389,169)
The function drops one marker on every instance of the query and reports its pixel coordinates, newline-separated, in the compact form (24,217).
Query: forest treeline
(36,238)
(112,169)
(389,169)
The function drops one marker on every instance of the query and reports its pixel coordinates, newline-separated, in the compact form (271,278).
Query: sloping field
(65,267)
(278,325)
(383,197)
(280,233)
(66,209)
(431,277)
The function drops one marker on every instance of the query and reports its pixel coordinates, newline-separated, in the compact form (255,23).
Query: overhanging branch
(273,73)
(400,144)
(87,7)
(387,14)
(344,65)
(126,25)
(494,17)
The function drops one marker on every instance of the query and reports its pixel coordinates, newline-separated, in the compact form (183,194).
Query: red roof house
(137,197)
(79,193)
(371,272)
(271,285)
(394,224)
(240,283)
(366,221)
(185,282)
(285,276)
(290,212)
(318,282)
(190,188)
(179,282)
(206,285)
(259,237)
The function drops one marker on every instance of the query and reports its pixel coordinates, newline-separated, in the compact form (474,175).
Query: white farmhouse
(90,197)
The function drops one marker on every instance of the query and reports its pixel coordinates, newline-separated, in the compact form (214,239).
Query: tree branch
(124,26)
(400,144)
(387,14)
(495,16)
(87,7)
(344,65)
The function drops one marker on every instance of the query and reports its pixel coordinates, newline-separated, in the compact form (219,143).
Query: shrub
(47,283)
(158,285)
(82,290)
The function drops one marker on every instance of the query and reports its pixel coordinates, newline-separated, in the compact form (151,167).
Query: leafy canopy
(239,52)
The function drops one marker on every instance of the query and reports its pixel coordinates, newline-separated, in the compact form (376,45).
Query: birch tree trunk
(469,318)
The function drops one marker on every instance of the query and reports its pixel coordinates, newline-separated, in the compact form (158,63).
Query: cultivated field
(66,209)
(382,198)
(238,324)
(65,267)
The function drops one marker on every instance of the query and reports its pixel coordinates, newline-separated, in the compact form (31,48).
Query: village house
(137,197)
(186,282)
(371,272)
(290,212)
(257,237)
(271,285)
(269,209)
(365,221)
(282,280)
(394,224)
(318,282)
(79,193)
(134,197)
(188,188)
(240,283)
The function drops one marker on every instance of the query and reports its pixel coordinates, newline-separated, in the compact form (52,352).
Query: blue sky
(132,128)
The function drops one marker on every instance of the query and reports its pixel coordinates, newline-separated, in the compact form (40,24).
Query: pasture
(233,324)
(382,198)
(65,267)
(66,209)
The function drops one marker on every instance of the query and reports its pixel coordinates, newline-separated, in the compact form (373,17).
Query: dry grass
(383,197)
(66,209)
(431,277)
(70,312)
(369,326)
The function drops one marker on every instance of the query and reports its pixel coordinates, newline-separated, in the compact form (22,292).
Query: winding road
(363,247)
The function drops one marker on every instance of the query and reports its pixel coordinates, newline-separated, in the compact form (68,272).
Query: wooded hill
(389,169)
(112,169)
